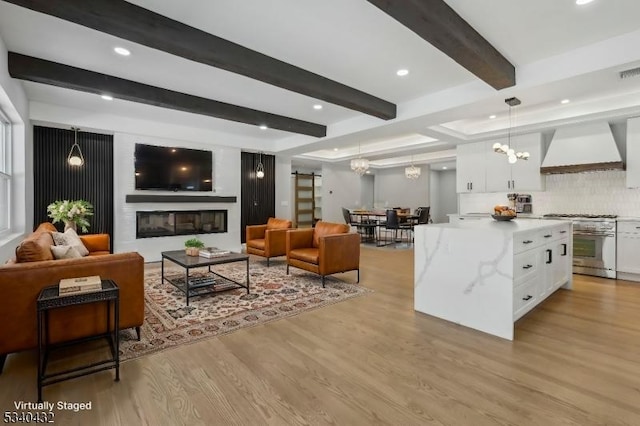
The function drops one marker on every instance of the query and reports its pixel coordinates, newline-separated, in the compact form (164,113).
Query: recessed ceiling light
(368,172)
(444,167)
(402,72)
(581,2)
(492,117)
(107,97)
(335,149)
(565,101)
(263,127)
(122,51)
(317,106)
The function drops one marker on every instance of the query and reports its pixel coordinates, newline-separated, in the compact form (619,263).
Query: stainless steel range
(594,243)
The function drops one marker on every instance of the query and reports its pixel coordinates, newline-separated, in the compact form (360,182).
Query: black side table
(49,299)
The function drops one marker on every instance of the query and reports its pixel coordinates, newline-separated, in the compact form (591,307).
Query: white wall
(226,182)
(393,189)
(443,197)
(283,187)
(367,191)
(13,102)
(602,192)
(341,187)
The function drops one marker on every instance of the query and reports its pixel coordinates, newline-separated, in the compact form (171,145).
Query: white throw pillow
(65,252)
(70,238)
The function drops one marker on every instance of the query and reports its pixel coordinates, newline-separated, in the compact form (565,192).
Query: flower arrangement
(74,212)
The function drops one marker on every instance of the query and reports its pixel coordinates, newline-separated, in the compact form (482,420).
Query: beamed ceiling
(227,69)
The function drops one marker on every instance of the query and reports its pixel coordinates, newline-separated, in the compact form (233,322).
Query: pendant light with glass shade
(75,157)
(512,155)
(359,165)
(260,168)
(412,172)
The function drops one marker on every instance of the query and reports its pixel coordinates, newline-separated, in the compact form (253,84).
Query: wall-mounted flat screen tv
(172,168)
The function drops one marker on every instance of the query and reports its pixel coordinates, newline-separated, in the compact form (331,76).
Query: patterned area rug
(169,322)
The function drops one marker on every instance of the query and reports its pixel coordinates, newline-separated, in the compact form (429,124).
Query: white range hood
(583,148)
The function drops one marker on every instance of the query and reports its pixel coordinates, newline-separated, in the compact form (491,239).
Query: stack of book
(210,252)
(79,285)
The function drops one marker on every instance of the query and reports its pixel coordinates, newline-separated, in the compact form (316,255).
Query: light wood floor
(373,360)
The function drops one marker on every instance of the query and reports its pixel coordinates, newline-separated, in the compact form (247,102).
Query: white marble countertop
(477,214)
(512,226)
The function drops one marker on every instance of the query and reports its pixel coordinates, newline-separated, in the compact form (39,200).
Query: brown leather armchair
(268,240)
(327,249)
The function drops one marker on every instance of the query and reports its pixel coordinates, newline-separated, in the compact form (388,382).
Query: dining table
(377,214)
(378,217)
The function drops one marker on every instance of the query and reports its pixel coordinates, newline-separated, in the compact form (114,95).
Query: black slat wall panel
(55,179)
(258,198)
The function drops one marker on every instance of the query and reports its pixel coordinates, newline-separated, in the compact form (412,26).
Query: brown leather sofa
(327,249)
(35,268)
(268,240)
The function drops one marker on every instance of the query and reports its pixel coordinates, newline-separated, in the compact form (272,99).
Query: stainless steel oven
(594,247)
(594,243)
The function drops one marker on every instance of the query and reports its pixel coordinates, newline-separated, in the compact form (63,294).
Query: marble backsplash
(602,192)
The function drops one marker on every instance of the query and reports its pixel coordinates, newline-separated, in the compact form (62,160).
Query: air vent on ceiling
(633,72)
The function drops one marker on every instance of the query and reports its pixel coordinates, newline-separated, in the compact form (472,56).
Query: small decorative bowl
(502,218)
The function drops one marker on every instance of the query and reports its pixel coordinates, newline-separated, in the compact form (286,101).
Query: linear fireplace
(180,222)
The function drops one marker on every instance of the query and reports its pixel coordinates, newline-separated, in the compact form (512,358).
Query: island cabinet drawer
(555,233)
(525,266)
(560,232)
(549,234)
(526,240)
(525,297)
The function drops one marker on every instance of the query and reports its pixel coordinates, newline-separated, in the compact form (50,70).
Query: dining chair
(423,215)
(392,224)
(365,228)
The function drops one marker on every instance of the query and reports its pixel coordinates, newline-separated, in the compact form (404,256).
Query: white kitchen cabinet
(628,250)
(498,169)
(524,175)
(633,152)
(556,266)
(470,167)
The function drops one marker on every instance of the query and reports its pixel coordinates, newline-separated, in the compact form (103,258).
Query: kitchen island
(486,274)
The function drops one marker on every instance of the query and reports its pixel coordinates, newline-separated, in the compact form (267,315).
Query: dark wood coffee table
(213,282)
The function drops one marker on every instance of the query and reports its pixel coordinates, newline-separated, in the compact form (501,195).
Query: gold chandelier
(412,172)
(359,165)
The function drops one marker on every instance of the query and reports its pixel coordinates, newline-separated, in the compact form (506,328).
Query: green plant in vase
(193,246)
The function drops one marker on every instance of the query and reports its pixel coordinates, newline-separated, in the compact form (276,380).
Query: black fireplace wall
(258,200)
(55,179)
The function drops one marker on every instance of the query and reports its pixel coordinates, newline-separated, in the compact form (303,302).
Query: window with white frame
(5,174)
